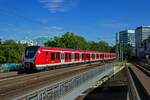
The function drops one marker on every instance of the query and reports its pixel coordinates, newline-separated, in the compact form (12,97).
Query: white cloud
(56,28)
(49,31)
(59,5)
(11,32)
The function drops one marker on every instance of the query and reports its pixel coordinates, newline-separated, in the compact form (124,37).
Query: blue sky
(92,19)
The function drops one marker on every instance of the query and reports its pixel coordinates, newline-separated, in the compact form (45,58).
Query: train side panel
(46,56)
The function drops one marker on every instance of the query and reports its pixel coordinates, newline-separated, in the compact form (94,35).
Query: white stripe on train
(63,63)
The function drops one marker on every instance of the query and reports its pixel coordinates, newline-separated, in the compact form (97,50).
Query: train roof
(69,49)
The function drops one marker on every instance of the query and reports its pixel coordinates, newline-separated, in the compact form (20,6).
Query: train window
(93,55)
(62,56)
(68,56)
(97,55)
(31,51)
(88,55)
(76,55)
(52,56)
(101,55)
(73,55)
(57,56)
(83,56)
(46,53)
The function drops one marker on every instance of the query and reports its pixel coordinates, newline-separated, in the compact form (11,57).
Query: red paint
(48,55)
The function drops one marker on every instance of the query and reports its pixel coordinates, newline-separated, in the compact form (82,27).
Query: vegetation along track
(40,79)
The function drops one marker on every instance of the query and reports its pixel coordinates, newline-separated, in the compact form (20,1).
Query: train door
(52,57)
(93,56)
(62,57)
(73,57)
(46,57)
(80,56)
(90,56)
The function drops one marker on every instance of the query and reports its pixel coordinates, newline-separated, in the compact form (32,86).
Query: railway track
(13,75)
(139,74)
(144,67)
(147,67)
(4,76)
(17,85)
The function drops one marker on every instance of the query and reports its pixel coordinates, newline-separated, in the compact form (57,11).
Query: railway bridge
(73,82)
(59,84)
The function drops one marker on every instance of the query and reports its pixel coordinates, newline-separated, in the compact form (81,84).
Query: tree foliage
(11,52)
(125,50)
(99,46)
(70,40)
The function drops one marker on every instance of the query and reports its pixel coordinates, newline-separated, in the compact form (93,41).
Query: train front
(29,57)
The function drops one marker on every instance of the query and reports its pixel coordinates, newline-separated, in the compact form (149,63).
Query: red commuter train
(36,57)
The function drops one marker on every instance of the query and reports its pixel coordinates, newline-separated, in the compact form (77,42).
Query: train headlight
(39,52)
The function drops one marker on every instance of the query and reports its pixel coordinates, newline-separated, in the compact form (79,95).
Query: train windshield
(31,51)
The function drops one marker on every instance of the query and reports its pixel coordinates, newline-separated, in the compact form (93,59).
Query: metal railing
(58,90)
(132,87)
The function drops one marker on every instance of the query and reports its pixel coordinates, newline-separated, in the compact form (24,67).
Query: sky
(93,19)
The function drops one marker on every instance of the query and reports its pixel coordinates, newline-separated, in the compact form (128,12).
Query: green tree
(70,40)
(99,46)
(124,51)
(11,52)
